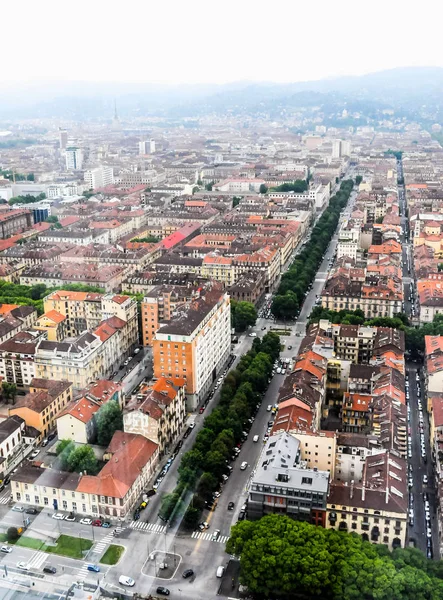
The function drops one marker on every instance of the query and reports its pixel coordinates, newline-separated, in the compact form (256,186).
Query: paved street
(150,535)
(418,468)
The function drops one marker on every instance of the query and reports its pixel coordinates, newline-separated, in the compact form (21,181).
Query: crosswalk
(37,560)
(200,535)
(101,545)
(143,526)
(4,498)
(83,571)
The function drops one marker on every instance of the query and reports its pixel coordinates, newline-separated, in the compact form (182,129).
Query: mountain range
(404,89)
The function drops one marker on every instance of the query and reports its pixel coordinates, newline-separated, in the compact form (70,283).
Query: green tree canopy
(244,315)
(280,557)
(263,188)
(109,419)
(82,460)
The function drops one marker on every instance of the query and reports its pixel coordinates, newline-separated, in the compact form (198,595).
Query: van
(255,438)
(220,571)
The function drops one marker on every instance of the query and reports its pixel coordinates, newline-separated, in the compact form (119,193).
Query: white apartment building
(74,159)
(99,177)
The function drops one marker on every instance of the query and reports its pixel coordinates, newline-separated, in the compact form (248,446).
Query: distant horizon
(31,82)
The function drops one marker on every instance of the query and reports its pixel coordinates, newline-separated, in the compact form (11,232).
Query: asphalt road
(150,535)
(419,467)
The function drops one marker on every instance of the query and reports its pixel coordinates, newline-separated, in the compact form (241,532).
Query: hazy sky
(215,41)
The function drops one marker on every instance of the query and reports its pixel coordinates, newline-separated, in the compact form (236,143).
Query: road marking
(37,560)
(151,527)
(199,535)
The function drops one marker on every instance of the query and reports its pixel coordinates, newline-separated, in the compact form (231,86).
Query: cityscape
(221,331)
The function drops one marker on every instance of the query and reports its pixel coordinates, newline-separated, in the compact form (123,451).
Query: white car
(6,549)
(243,465)
(253,334)
(269,408)
(85,521)
(23,566)
(58,516)
(35,453)
(425,479)
(125,580)
(18,509)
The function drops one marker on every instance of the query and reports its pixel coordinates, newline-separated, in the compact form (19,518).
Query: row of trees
(294,283)
(27,199)
(243,315)
(357,317)
(32,295)
(8,174)
(149,239)
(285,558)
(298,186)
(202,467)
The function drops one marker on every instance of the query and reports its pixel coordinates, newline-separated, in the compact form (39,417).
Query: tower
(116,121)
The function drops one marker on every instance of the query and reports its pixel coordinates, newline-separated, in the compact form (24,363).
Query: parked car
(231,506)
(31,511)
(163,590)
(51,437)
(203,526)
(70,517)
(6,549)
(106,524)
(243,466)
(34,454)
(23,566)
(59,516)
(85,521)
(96,523)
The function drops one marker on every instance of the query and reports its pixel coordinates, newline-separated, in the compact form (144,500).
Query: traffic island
(161,565)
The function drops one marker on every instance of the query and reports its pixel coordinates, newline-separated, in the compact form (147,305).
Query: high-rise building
(143,148)
(99,177)
(195,344)
(74,159)
(63,138)
(146,147)
(336,148)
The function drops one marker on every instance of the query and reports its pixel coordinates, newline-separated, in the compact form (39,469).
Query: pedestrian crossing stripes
(199,535)
(152,527)
(101,545)
(83,571)
(5,498)
(37,560)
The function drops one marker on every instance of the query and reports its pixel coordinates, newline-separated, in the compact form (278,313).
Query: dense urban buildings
(141,267)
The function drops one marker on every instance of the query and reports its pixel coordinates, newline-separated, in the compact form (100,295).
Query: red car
(96,523)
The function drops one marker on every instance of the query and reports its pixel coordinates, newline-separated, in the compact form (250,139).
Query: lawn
(66,545)
(112,555)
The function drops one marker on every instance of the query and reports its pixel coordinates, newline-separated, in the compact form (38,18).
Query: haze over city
(221,301)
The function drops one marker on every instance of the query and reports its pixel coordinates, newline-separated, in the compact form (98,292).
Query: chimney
(351,493)
(363,492)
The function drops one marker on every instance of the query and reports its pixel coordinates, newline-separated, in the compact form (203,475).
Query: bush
(12,534)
